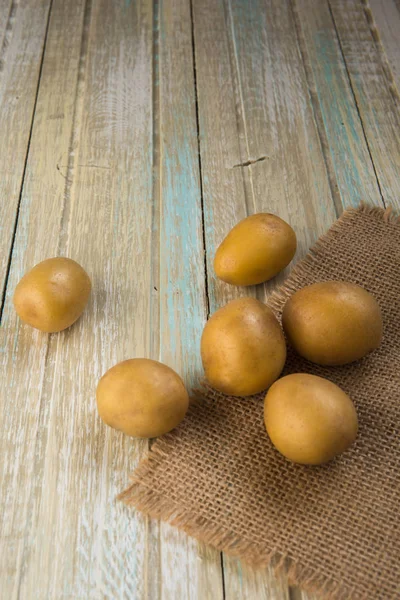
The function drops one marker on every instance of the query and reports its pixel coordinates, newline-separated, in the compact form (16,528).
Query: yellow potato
(310,420)
(142,398)
(333,323)
(255,250)
(243,348)
(52,295)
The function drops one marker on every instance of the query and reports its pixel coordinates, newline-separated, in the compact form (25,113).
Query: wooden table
(133,136)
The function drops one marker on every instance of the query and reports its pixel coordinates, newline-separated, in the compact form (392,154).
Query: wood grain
(22,37)
(23,351)
(347,146)
(254,103)
(188,569)
(84,464)
(63,522)
(295,109)
(378,107)
(384,20)
(94,165)
(278,121)
(7,16)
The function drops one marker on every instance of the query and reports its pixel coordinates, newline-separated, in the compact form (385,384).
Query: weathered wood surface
(384,19)
(187,570)
(378,107)
(22,38)
(134,135)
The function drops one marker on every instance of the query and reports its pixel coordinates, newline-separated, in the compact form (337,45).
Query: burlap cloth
(335,528)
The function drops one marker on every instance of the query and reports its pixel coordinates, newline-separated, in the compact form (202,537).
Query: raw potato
(52,295)
(333,323)
(310,420)
(243,348)
(255,250)
(142,398)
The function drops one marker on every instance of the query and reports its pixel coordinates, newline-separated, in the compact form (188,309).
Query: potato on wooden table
(142,397)
(255,250)
(52,295)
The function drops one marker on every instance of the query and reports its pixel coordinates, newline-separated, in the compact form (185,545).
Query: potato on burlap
(333,323)
(310,420)
(243,348)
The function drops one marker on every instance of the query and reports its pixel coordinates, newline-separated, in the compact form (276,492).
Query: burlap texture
(335,528)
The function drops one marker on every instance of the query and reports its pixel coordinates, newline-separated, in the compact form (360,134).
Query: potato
(243,348)
(333,323)
(255,250)
(310,420)
(142,398)
(53,294)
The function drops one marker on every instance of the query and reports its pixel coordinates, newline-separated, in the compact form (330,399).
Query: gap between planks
(200,165)
(155,286)
(14,231)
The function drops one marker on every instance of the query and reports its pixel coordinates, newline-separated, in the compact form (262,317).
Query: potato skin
(243,348)
(310,420)
(255,250)
(333,323)
(52,295)
(142,398)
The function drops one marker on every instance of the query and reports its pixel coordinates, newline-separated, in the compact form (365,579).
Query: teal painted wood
(254,103)
(379,108)
(279,123)
(223,183)
(182,290)
(353,169)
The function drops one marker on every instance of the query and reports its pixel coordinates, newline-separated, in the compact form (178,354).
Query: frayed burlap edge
(158,506)
(305,265)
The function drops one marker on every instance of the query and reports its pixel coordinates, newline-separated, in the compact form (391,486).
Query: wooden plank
(64,524)
(78,539)
(253,102)
(223,185)
(68,466)
(378,107)
(353,168)
(22,35)
(23,351)
(354,174)
(243,583)
(278,121)
(86,544)
(7,16)
(187,569)
(384,20)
